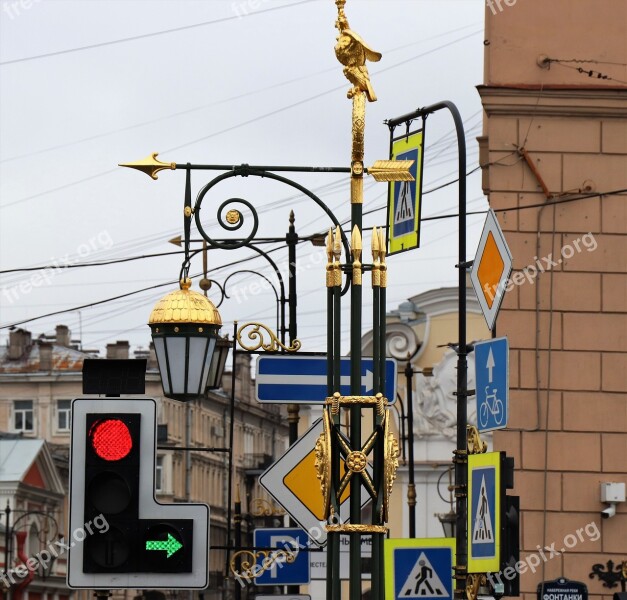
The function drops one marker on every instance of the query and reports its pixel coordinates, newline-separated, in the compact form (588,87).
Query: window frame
(23,415)
(57,414)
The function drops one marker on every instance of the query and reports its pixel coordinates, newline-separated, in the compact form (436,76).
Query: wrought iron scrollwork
(250,569)
(230,217)
(264,508)
(609,575)
(256,333)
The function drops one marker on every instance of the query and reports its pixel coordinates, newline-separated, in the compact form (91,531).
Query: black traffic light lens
(109,493)
(110,549)
(111,439)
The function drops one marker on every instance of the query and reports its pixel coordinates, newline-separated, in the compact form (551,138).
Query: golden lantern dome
(185,306)
(185,326)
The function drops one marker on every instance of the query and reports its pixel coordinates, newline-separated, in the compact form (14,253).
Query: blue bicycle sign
(492,381)
(491,407)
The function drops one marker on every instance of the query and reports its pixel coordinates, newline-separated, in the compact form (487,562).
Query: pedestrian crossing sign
(404,196)
(484,487)
(419,568)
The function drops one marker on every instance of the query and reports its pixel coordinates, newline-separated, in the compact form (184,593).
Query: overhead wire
(152,34)
(256,119)
(96,303)
(217,102)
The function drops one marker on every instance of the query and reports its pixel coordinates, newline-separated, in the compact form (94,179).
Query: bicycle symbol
(491,406)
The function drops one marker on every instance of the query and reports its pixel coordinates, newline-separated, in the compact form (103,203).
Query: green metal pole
(376,359)
(355,411)
(334,542)
(377,538)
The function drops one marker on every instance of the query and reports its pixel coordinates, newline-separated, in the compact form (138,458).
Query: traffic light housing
(510,530)
(120,537)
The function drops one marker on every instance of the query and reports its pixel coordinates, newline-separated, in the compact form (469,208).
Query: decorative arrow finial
(391,170)
(149,165)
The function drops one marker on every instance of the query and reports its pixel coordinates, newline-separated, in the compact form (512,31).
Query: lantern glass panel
(163,363)
(177,347)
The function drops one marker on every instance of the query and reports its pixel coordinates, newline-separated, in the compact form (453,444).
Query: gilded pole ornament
(391,452)
(475,444)
(322,462)
(352,52)
(356,248)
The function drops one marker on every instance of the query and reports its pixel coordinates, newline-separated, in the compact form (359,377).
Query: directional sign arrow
(171,545)
(303,379)
(367,380)
(490,365)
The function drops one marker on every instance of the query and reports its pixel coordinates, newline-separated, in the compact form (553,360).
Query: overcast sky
(85,85)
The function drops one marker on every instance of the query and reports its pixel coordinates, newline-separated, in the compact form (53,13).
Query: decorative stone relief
(435,409)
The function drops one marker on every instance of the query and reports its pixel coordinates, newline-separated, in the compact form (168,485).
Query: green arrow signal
(171,545)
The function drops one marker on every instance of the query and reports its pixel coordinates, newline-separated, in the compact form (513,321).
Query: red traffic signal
(125,538)
(110,439)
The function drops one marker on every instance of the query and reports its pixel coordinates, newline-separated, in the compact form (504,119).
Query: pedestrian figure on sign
(423,579)
(483,531)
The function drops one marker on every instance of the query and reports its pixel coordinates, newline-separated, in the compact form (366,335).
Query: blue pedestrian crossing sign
(404,196)
(484,485)
(419,568)
(289,565)
(492,382)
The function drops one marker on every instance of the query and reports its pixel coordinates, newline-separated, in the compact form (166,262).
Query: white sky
(260,85)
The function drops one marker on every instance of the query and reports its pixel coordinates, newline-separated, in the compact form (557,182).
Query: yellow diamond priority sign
(292,482)
(491,269)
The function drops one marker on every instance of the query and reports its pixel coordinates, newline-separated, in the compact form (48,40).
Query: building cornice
(555,101)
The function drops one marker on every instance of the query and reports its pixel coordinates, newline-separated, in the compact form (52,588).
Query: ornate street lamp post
(334,446)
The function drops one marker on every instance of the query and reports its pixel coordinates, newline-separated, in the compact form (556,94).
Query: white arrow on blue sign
(492,381)
(303,379)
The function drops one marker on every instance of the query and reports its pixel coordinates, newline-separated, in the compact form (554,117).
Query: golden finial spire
(382,252)
(356,248)
(376,263)
(330,260)
(337,252)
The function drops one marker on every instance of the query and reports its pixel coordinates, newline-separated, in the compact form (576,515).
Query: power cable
(233,127)
(150,35)
(215,103)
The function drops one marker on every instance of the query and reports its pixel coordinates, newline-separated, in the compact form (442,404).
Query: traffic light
(120,537)
(510,529)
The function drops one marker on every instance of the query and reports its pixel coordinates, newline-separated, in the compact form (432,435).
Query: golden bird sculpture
(353,52)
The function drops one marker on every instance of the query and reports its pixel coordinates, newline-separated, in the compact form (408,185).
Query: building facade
(554,158)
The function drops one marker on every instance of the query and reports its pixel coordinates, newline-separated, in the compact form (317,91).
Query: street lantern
(218,361)
(184,326)
(448,520)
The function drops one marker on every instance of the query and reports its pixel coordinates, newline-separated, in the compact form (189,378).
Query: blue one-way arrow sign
(303,379)
(492,381)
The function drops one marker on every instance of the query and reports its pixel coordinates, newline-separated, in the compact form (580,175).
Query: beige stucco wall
(567,327)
